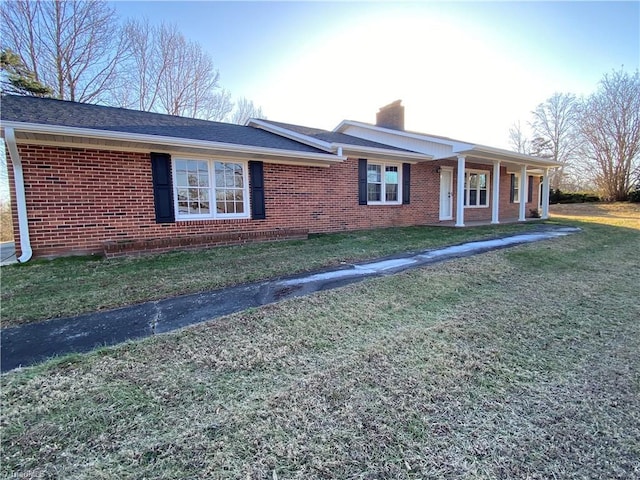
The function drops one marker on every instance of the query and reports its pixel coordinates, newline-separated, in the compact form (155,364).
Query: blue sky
(463,69)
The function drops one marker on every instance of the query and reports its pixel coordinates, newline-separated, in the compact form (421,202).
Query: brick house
(89,179)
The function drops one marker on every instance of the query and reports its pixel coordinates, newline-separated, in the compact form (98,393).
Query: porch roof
(443,147)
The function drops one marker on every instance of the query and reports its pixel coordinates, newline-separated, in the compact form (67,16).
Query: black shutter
(362,181)
(162,187)
(256,180)
(530,194)
(513,184)
(406,183)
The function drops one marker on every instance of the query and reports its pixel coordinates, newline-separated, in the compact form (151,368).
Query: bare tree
(517,139)
(554,129)
(141,72)
(169,74)
(244,110)
(73,46)
(610,126)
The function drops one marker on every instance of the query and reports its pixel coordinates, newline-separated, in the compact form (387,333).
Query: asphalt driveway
(7,253)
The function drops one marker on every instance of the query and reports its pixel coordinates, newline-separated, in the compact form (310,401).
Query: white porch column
(495,194)
(523,194)
(545,194)
(460,192)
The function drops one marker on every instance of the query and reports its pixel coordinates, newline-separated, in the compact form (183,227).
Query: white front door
(446,193)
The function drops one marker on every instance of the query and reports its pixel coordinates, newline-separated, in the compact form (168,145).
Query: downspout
(21,202)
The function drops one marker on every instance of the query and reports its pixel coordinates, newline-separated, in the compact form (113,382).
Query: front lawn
(518,363)
(70,286)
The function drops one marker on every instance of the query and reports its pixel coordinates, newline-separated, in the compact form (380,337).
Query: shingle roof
(48,111)
(334,137)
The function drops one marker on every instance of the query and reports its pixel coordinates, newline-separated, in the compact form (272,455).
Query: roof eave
(415,135)
(411,157)
(492,153)
(176,142)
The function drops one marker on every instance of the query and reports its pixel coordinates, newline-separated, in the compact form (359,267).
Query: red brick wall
(78,199)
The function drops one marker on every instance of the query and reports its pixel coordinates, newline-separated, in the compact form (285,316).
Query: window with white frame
(476,190)
(210,189)
(515,187)
(383,183)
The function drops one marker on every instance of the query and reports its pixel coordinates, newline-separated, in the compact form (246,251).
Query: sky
(466,70)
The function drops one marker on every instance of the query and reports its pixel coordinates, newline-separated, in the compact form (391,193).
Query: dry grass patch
(521,363)
(617,214)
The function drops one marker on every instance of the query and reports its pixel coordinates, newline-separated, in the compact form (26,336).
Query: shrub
(557,196)
(634,196)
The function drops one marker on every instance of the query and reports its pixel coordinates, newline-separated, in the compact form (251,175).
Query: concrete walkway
(33,343)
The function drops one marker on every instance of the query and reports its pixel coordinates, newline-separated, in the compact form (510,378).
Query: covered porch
(479,182)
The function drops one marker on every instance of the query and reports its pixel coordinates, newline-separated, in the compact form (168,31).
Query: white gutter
(382,151)
(172,141)
(491,153)
(21,202)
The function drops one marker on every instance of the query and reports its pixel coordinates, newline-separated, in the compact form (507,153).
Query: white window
(383,183)
(516,187)
(210,189)
(476,190)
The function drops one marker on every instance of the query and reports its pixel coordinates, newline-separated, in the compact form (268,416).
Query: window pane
(183,207)
(219,174)
(219,179)
(483,180)
(374,174)
(391,175)
(483,197)
(473,181)
(473,197)
(228,176)
(204,208)
(203,180)
(238,179)
(391,193)
(374,192)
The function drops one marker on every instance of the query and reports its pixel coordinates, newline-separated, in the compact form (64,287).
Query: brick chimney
(391,116)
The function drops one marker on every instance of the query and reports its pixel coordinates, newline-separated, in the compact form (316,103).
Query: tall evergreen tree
(18,79)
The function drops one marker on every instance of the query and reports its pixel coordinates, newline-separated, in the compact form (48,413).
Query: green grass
(69,286)
(519,363)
